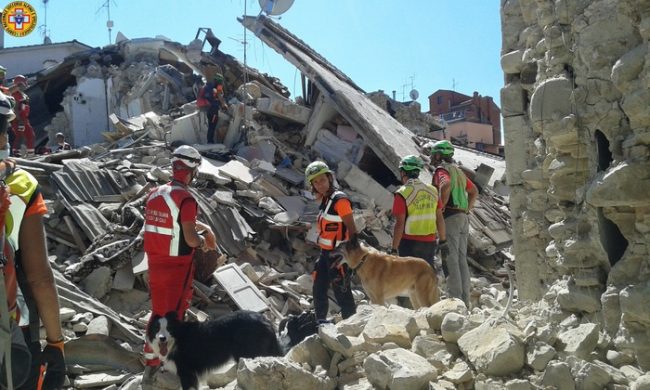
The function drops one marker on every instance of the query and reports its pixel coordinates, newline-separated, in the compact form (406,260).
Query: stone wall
(576,108)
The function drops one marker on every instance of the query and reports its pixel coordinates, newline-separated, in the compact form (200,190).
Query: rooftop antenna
(275,7)
(109,22)
(453,85)
(43,28)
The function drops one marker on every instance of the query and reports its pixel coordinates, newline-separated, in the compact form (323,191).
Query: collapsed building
(250,190)
(576,126)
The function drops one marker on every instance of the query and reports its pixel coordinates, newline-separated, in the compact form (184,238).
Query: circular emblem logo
(18,18)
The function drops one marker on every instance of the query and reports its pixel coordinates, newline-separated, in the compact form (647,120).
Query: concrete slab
(212,169)
(294,204)
(225,197)
(388,138)
(238,171)
(124,279)
(283,108)
(191,128)
(361,182)
(334,149)
(240,288)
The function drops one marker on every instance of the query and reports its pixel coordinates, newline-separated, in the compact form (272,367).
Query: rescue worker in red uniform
(171,234)
(21,126)
(335,226)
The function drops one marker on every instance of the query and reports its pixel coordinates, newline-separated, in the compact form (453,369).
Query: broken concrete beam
(324,111)
(191,128)
(334,149)
(284,108)
(361,182)
(388,138)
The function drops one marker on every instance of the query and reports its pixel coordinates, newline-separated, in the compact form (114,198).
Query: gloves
(53,362)
(443,247)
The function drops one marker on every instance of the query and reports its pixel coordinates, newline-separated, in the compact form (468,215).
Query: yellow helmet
(315,169)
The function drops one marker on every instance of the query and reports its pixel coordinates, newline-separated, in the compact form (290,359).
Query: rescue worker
(3,74)
(213,93)
(418,217)
(61,145)
(335,226)
(171,234)
(21,126)
(28,294)
(7,92)
(457,196)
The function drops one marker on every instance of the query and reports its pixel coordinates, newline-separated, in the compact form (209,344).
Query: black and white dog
(191,349)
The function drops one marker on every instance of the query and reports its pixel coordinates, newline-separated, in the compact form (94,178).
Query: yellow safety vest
(421,204)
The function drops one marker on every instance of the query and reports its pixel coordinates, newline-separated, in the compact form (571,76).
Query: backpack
(201,101)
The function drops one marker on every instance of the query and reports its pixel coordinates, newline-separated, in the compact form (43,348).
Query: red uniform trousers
(170,284)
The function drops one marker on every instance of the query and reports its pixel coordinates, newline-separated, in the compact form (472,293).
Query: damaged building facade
(577,135)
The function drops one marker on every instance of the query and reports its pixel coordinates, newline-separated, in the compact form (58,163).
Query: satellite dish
(275,7)
(414,94)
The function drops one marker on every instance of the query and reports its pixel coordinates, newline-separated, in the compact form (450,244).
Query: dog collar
(363,260)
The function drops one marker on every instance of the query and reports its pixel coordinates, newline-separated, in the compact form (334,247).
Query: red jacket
(163,233)
(22,105)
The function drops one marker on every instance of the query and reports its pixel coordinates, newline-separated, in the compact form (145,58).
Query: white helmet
(6,107)
(189,156)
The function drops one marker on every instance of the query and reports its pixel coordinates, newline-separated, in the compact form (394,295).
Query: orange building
(472,121)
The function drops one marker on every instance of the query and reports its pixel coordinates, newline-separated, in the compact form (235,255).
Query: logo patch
(18,18)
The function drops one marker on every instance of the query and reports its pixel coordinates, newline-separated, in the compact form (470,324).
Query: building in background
(473,121)
(34,58)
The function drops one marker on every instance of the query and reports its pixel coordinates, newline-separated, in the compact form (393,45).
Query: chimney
(393,91)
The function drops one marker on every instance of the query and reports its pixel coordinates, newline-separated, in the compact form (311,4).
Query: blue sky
(380,44)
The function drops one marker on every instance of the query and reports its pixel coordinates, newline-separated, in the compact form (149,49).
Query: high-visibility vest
(162,230)
(421,203)
(332,230)
(22,186)
(458,198)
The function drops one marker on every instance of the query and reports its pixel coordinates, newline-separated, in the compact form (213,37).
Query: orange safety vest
(162,230)
(332,230)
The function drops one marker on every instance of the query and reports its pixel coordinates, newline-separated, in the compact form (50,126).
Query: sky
(380,44)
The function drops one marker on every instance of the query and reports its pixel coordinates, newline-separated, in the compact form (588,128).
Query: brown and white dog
(385,276)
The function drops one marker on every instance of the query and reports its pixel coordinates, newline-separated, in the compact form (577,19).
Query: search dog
(191,349)
(385,276)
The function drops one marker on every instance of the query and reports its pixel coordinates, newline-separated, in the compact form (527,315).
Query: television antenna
(43,28)
(109,22)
